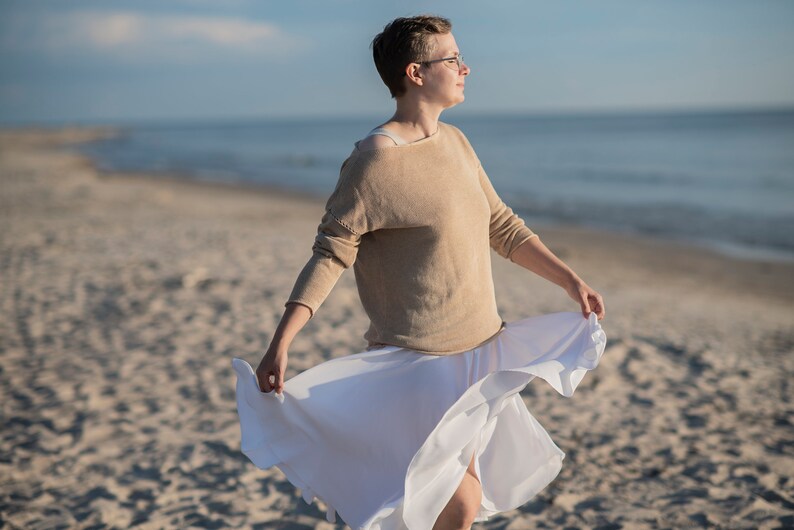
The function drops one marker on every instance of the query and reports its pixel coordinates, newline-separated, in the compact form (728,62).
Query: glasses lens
(453,63)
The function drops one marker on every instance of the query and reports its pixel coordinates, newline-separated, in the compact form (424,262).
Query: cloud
(127,34)
(100,30)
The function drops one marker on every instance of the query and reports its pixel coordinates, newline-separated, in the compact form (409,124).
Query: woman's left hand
(587,297)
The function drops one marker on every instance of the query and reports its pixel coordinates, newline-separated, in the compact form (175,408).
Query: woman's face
(441,83)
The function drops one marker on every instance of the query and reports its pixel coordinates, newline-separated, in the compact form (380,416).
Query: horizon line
(783,108)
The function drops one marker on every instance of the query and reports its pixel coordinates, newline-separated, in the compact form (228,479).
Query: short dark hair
(405,40)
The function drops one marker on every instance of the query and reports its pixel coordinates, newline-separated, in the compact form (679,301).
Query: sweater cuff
(316,281)
(305,304)
(523,238)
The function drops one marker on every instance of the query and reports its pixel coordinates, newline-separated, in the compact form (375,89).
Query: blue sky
(135,61)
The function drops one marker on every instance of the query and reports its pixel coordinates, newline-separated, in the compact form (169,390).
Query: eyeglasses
(453,63)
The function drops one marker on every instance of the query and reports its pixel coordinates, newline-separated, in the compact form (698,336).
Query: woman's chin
(458,101)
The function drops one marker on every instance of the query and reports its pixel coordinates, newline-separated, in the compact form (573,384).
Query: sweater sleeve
(507,230)
(335,246)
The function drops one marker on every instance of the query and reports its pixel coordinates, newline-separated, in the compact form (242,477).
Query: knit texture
(415,221)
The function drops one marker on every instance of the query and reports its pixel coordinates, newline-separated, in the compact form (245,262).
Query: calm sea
(725,180)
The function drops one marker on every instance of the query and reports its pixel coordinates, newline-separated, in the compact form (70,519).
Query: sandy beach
(124,297)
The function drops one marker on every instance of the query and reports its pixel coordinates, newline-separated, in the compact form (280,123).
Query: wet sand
(124,297)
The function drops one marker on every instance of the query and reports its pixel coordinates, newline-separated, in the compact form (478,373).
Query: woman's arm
(533,255)
(274,362)
(335,249)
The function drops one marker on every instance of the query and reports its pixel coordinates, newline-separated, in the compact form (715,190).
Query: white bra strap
(384,132)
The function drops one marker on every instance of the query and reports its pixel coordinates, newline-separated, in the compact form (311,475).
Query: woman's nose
(464,69)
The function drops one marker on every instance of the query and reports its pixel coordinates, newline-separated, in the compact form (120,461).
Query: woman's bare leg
(462,508)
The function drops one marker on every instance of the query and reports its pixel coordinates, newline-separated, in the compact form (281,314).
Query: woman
(426,428)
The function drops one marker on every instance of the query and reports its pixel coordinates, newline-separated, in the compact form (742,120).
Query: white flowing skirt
(384,437)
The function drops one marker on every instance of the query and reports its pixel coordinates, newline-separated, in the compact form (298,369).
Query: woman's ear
(413,74)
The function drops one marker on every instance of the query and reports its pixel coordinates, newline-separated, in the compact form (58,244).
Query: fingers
(278,383)
(264,384)
(270,372)
(271,380)
(591,301)
(598,306)
(585,306)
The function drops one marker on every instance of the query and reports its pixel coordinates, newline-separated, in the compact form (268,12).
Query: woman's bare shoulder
(375,141)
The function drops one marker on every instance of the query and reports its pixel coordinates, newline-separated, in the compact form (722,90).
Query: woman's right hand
(273,364)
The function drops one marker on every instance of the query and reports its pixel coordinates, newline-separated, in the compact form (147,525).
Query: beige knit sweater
(416,221)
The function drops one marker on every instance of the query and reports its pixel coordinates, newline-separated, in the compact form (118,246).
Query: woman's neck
(415,121)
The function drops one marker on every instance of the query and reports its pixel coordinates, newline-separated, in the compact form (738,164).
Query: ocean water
(723,180)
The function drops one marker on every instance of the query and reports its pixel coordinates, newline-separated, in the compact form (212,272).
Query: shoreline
(77,134)
(761,275)
(723,249)
(752,271)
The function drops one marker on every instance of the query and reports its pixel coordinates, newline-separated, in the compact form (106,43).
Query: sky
(124,61)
